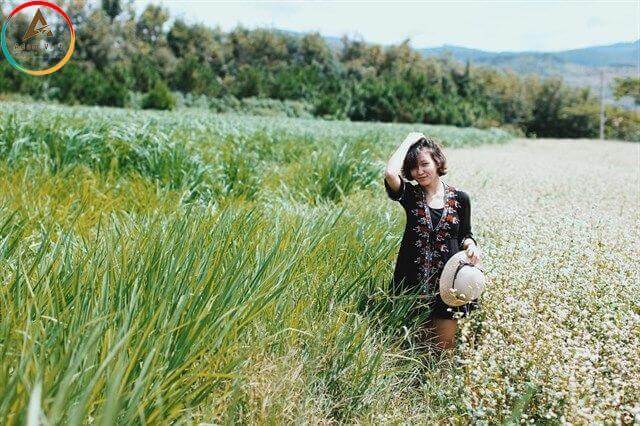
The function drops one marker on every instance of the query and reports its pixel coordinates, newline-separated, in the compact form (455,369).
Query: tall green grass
(159,268)
(212,157)
(144,317)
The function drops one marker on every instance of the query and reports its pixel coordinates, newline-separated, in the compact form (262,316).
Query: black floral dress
(426,247)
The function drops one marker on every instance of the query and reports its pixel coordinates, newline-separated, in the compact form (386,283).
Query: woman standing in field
(438,226)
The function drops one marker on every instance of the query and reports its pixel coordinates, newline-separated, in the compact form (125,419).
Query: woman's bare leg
(446,330)
(440,333)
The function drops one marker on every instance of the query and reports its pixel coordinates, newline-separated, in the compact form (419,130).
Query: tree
(629,86)
(180,39)
(193,76)
(96,40)
(313,49)
(112,8)
(199,41)
(150,25)
(547,103)
(144,72)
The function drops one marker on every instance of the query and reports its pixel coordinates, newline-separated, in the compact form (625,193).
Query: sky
(497,26)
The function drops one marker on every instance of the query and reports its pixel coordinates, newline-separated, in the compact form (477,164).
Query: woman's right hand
(394,165)
(412,138)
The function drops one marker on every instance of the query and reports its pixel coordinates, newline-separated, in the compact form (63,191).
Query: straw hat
(461,282)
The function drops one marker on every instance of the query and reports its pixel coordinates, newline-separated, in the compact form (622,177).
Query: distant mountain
(619,54)
(614,55)
(460,53)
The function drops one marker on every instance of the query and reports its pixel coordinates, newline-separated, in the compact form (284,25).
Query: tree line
(122,56)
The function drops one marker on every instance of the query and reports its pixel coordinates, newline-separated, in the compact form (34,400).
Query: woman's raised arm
(394,165)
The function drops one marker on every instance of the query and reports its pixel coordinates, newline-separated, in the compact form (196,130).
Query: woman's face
(426,170)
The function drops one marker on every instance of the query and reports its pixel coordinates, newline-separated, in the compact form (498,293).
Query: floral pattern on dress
(431,241)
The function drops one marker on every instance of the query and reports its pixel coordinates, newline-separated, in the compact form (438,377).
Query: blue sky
(487,25)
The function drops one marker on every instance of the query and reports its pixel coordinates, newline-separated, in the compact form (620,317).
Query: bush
(514,130)
(622,124)
(9,78)
(579,121)
(114,91)
(159,97)
(275,107)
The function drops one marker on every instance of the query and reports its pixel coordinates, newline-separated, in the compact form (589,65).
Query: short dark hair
(433,147)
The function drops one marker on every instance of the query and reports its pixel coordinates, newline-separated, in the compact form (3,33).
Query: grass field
(160,267)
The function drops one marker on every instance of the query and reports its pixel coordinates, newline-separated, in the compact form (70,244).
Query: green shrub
(159,97)
(579,121)
(622,124)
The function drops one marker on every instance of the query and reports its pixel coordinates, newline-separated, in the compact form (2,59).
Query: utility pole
(601,105)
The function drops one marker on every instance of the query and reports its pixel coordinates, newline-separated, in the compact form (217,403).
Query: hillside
(614,55)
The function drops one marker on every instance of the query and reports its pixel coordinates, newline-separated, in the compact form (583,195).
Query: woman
(438,226)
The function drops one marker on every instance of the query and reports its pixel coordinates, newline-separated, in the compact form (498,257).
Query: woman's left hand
(473,254)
